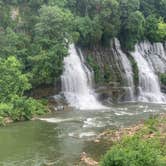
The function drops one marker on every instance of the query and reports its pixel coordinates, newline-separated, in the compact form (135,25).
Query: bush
(21,108)
(25,108)
(5,109)
(134,152)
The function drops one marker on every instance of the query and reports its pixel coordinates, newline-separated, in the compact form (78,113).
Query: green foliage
(99,77)
(39,36)
(61,3)
(5,109)
(13,84)
(89,30)
(153,7)
(161,30)
(4,15)
(109,19)
(97,21)
(25,108)
(52,34)
(142,149)
(21,108)
(132,27)
(12,81)
(125,19)
(134,152)
(47,65)
(107,74)
(97,74)
(163,78)
(151,124)
(54,26)
(151,28)
(135,70)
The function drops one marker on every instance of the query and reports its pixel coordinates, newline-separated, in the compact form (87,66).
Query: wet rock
(163,88)
(43,91)
(97,141)
(87,161)
(114,136)
(8,120)
(111,93)
(57,103)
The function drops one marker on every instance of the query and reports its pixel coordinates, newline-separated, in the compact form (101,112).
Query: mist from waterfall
(150,59)
(77,83)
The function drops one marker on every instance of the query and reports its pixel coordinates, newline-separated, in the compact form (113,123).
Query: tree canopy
(35,34)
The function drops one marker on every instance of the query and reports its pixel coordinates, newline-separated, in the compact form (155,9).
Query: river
(59,138)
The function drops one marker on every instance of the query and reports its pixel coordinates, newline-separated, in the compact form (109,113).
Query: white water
(149,86)
(128,72)
(155,55)
(76,83)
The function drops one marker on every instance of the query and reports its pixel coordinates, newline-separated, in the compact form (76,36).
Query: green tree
(133,30)
(12,81)
(14,43)
(47,66)
(151,27)
(89,30)
(53,32)
(153,7)
(161,32)
(54,26)
(13,84)
(109,15)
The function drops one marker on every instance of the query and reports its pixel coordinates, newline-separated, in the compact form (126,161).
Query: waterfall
(76,83)
(155,55)
(128,72)
(150,59)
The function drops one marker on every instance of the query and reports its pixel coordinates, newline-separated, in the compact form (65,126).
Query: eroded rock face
(111,93)
(105,58)
(114,61)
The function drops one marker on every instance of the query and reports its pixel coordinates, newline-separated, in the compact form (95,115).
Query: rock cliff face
(125,80)
(112,60)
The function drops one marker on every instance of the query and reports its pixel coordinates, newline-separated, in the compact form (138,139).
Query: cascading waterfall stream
(155,55)
(128,72)
(149,87)
(76,83)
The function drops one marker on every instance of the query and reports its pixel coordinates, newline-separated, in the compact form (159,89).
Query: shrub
(5,109)
(134,152)
(25,108)
(21,108)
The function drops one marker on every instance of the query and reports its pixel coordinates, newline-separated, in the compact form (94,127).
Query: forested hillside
(35,34)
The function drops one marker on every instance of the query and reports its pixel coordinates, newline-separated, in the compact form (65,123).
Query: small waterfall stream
(155,55)
(128,71)
(149,86)
(76,83)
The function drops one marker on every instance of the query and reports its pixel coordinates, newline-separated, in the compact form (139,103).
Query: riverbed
(59,138)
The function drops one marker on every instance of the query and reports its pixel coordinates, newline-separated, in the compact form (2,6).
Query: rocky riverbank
(155,128)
